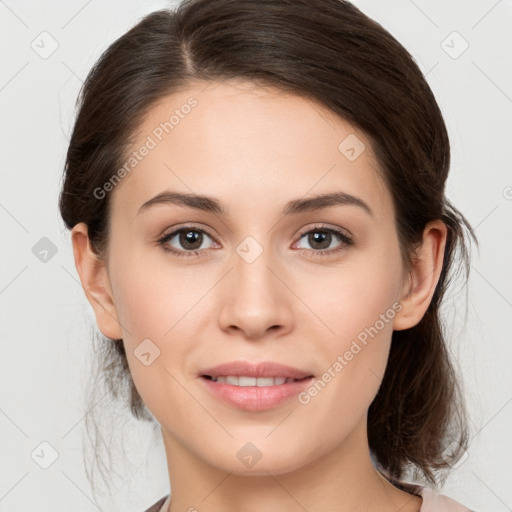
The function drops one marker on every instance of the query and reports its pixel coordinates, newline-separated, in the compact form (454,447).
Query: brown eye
(185,241)
(320,240)
(191,240)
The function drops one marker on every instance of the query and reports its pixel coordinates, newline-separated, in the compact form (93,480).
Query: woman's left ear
(424,276)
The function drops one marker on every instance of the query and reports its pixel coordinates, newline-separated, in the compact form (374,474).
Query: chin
(250,461)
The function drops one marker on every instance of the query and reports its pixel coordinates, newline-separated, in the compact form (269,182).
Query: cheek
(153,297)
(358,303)
(154,307)
(354,297)
(163,304)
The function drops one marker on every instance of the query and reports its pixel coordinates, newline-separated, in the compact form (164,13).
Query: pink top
(435,502)
(432,502)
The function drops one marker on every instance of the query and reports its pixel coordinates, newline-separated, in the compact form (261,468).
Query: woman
(256,196)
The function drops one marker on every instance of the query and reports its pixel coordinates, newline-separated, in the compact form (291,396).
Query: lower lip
(254,398)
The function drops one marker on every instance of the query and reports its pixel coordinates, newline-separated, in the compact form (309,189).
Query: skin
(255,149)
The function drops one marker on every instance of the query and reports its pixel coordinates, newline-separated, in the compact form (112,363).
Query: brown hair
(330,52)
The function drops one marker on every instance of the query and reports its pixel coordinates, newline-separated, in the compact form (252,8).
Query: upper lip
(264,369)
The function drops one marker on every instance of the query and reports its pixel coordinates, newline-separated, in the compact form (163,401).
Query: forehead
(240,141)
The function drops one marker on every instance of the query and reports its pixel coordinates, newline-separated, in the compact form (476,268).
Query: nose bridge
(255,299)
(251,267)
(253,279)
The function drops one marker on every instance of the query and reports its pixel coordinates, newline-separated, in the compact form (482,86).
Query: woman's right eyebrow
(198,202)
(213,205)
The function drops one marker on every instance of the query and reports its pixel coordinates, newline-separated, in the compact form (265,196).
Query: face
(258,273)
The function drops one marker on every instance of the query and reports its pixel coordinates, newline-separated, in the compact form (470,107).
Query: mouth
(241,371)
(253,387)
(255,394)
(247,381)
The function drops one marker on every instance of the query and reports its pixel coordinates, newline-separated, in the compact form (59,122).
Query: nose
(255,301)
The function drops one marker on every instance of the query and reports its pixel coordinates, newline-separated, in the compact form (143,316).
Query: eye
(190,241)
(320,238)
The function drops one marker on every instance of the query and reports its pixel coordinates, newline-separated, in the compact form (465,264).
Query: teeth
(244,381)
(231,380)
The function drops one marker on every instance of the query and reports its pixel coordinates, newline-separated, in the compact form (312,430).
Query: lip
(254,398)
(264,369)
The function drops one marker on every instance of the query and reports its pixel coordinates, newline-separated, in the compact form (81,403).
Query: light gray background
(44,315)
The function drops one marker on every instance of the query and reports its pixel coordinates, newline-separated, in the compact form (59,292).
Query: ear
(426,269)
(95,282)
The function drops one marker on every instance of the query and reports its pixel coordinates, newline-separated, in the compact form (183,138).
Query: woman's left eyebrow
(323,201)
(213,205)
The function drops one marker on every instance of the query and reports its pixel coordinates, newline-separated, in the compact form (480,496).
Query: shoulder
(436,502)
(159,505)
(432,502)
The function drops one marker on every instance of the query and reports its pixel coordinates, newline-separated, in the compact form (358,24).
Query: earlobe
(95,282)
(427,264)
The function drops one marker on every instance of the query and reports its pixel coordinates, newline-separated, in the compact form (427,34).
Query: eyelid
(325,227)
(169,234)
(344,236)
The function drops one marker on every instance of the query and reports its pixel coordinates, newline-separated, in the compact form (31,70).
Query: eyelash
(346,241)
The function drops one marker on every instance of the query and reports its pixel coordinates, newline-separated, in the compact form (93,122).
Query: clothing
(161,505)
(432,502)
(436,502)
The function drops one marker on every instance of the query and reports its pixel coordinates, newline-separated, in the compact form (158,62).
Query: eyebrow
(212,205)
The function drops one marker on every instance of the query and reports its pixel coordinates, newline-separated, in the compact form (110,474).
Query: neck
(343,479)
